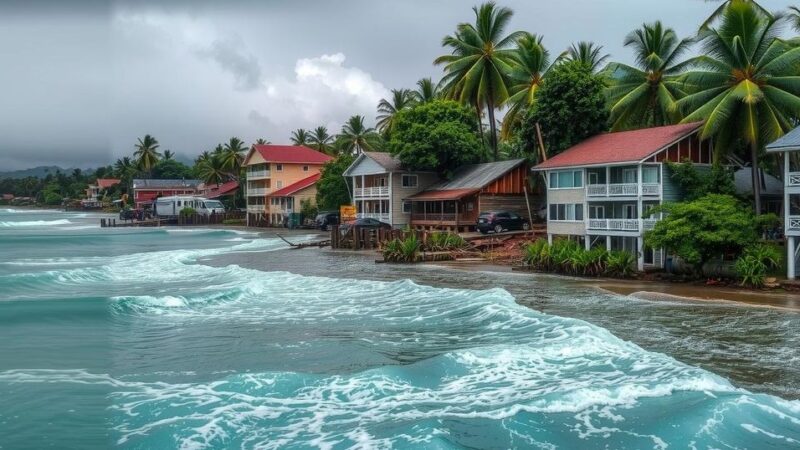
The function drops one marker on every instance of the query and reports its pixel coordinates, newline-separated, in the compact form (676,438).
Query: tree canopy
(439,135)
(570,107)
(705,228)
(332,189)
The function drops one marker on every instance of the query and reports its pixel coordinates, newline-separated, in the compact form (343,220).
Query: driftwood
(323,243)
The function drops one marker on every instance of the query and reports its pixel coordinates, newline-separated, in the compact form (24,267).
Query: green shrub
(444,241)
(405,250)
(188,211)
(620,264)
(756,262)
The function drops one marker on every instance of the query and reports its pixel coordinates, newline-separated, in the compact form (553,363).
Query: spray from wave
(35,223)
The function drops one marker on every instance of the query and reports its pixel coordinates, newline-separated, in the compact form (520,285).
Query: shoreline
(651,290)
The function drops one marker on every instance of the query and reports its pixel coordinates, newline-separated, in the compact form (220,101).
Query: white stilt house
(789,145)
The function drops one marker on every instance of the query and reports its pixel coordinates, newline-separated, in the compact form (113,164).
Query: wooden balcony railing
(376,191)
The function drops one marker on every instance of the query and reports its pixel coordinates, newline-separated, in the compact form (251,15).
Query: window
(566,212)
(597,212)
(470,206)
(279,184)
(649,174)
(629,211)
(409,181)
(279,168)
(406,207)
(629,175)
(305,168)
(566,179)
(594,178)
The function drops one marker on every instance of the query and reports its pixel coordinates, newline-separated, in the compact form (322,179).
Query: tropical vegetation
(569,257)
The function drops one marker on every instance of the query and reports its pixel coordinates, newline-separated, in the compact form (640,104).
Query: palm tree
(426,91)
(232,156)
(721,10)
(480,59)
(646,95)
(300,136)
(532,65)
(320,140)
(124,167)
(168,154)
(356,137)
(401,99)
(587,53)
(212,170)
(205,156)
(794,16)
(146,153)
(262,141)
(745,85)
(218,150)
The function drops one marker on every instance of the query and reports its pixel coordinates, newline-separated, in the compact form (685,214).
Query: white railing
(621,224)
(251,174)
(596,190)
(256,208)
(622,189)
(793,179)
(377,191)
(793,223)
(651,189)
(252,192)
(383,217)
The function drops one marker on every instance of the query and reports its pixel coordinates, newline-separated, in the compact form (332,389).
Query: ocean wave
(35,223)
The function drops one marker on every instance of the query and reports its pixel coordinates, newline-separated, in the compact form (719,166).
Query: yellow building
(270,169)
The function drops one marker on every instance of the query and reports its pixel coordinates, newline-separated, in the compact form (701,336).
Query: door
(597,212)
(629,211)
(629,175)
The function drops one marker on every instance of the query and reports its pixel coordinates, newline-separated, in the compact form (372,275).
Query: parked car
(499,221)
(369,223)
(326,220)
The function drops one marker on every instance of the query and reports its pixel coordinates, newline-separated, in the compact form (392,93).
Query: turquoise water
(124,338)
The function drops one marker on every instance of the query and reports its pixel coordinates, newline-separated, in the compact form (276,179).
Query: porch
(624,181)
(374,209)
(371,186)
(450,214)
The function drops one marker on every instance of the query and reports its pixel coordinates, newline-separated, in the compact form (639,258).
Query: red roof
(295,187)
(215,191)
(299,154)
(104,183)
(620,147)
(444,194)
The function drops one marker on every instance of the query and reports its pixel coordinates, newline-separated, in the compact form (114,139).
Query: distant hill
(38,172)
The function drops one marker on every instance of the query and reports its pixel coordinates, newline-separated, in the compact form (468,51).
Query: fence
(357,238)
(211,219)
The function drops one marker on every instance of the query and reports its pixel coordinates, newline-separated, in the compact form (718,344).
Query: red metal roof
(299,154)
(443,194)
(621,146)
(104,183)
(295,187)
(215,191)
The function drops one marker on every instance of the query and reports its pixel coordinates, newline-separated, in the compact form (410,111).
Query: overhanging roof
(788,142)
(620,147)
(441,195)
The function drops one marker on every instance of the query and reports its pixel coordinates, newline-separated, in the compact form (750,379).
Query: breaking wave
(35,223)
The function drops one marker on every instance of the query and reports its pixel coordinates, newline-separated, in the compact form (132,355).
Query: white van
(172,206)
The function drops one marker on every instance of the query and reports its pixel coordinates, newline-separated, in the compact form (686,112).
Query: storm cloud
(81,80)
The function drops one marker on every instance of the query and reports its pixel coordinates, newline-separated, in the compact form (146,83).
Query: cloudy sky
(81,80)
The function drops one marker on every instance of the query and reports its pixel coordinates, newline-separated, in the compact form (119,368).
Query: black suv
(327,220)
(498,221)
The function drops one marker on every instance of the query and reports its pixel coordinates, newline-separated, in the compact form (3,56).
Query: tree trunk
(480,123)
(756,178)
(492,129)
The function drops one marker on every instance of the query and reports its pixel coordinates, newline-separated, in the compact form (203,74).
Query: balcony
(622,190)
(372,192)
(634,225)
(383,217)
(256,192)
(256,208)
(257,174)
(793,223)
